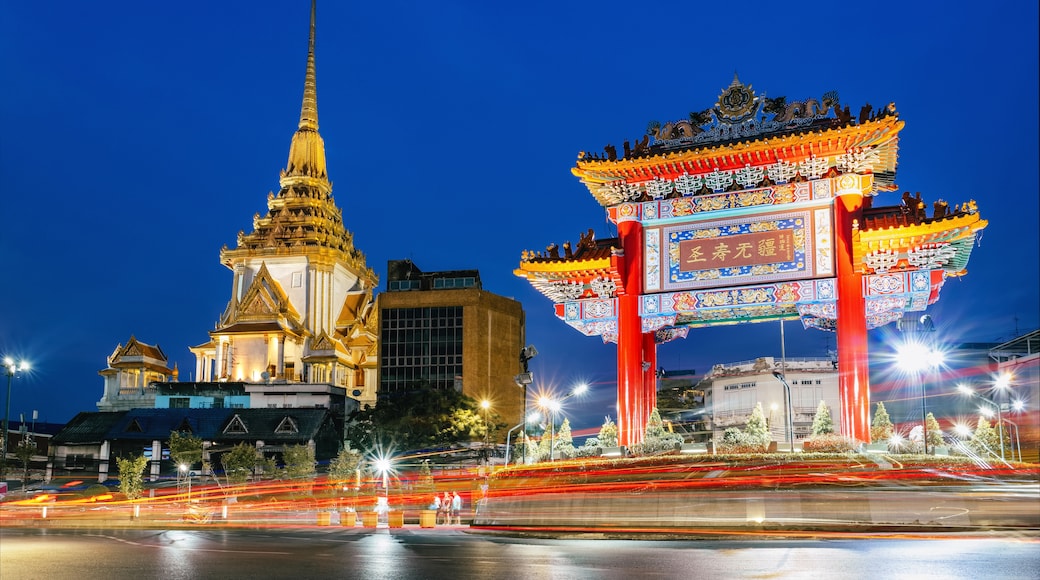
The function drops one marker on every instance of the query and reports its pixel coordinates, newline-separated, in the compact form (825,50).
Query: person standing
(445,508)
(456,507)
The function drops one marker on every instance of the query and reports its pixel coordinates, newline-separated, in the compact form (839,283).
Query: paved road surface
(86,554)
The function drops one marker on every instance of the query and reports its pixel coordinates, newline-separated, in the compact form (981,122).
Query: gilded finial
(309,111)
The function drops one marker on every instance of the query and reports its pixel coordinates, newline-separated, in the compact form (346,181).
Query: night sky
(140,137)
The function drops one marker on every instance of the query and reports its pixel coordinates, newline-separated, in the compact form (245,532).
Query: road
(374,554)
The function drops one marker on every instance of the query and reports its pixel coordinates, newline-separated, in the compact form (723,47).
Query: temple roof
(902,238)
(747,131)
(303,219)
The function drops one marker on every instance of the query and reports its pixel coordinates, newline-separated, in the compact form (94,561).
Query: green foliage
(736,441)
(935,438)
(528,444)
(239,462)
(543,445)
(425,482)
(564,441)
(822,422)
(343,468)
(131,475)
(756,428)
(656,438)
(828,443)
(881,429)
(418,419)
(94,491)
(185,448)
(608,433)
(299,461)
(986,439)
(755,439)
(24,452)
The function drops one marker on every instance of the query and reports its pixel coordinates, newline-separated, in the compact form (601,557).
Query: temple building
(301,307)
(132,374)
(443,330)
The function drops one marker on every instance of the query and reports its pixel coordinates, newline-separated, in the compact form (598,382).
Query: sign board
(793,244)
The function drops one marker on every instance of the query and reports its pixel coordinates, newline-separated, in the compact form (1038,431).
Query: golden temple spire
(309,111)
(307,152)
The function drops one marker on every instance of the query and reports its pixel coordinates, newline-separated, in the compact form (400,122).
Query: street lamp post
(486,404)
(788,408)
(1000,419)
(914,357)
(11,367)
(187,473)
(552,406)
(523,379)
(509,435)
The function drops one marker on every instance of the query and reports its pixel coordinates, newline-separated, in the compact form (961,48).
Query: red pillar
(630,334)
(853,377)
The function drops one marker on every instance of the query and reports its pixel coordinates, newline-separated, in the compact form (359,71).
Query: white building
(734,389)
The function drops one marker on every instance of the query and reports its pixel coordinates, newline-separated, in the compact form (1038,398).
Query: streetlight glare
(382,465)
(1003,381)
(915,356)
(485,404)
(580,389)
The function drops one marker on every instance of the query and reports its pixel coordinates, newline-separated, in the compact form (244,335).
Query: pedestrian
(435,505)
(456,507)
(445,509)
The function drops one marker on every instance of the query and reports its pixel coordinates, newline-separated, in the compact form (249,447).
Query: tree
(564,442)
(935,438)
(239,462)
(881,428)
(299,461)
(822,422)
(131,475)
(985,440)
(657,438)
(608,433)
(756,429)
(417,419)
(185,448)
(344,467)
(24,452)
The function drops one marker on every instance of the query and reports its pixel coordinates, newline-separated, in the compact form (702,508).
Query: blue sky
(138,138)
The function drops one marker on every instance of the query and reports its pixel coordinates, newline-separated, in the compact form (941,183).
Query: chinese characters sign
(772,247)
(736,250)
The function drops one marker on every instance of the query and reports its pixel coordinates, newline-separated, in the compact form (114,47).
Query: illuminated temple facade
(755,209)
(301,308)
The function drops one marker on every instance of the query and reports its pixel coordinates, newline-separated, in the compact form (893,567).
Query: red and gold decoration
(753,210)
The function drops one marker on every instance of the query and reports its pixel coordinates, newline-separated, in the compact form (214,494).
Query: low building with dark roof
(92,441)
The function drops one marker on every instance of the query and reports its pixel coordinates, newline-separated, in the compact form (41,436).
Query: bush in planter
(828,443)
(736,441)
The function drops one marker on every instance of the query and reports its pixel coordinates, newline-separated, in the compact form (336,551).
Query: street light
(1000,420)
(11,368)
(913,358)
(788,408)
(552,406)
(525,378)
(529,419)
(486,404)
(184,470)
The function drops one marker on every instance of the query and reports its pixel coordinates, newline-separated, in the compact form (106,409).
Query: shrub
(828,443)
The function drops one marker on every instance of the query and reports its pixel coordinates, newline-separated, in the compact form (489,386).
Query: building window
(180,402)
(420,346)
